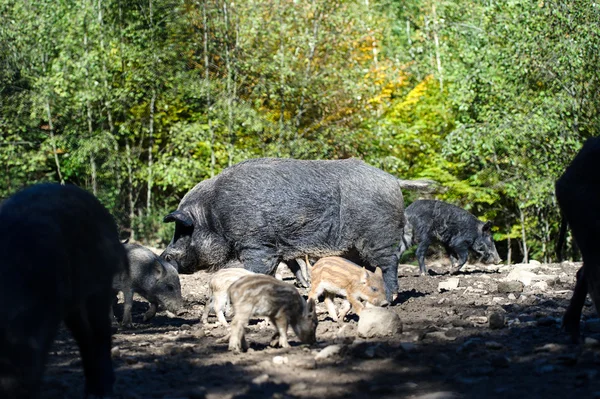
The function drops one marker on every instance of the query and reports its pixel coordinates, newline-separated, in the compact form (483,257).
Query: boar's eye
(374,289)
(170,287)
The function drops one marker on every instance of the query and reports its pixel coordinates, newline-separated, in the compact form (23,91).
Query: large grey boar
(263,211)
(578,195)
(60,250)
(150,276)
(456,229)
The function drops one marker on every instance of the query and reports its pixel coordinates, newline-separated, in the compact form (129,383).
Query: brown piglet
(217,290)
(333,275)
(265,296)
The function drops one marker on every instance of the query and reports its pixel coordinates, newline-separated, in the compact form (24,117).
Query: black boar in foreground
(456,229)
(265,296)
(151,277)
(264,211)
(60,250)
(578,195)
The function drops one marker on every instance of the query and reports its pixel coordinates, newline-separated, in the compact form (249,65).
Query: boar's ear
(158,269)
(180,217)
(364,276)
(378,272)
(487,226)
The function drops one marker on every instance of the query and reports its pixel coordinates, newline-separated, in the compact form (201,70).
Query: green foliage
(491,99)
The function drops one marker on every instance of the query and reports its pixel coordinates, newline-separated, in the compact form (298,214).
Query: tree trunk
(130,190)
(150,156)
(523,236)
(211,132)
(311,53)
(437,47)
(230,88)
(54,151)
(509,252)
(281,83)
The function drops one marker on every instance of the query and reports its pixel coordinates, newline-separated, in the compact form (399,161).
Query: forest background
(139,100)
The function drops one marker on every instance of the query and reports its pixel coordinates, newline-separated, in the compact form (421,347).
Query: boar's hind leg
(91,328)
(572,315)
(297,270)
(421,251)
(281,324)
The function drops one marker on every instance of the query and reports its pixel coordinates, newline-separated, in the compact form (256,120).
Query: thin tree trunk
(54,151)
(130,189)
(150,156)
(509,252)
(281,82)
(311,53)
(437,47)
(523,236)
(230,89)
(211,132)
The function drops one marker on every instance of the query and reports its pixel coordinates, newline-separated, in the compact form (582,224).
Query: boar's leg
(237,339)
(151,312)
(421,251)
(127,305)
(462,250)
(219,305)
(294,266)
(330,306)
(572,315)
(207,307)
(344,309)
(356,305)
(91,328)
(260,260)
(281,324)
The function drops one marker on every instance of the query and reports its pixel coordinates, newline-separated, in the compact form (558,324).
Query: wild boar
(333,276)
(153,278)
(263,211)
(60,251)
(455,228)
(217,290)
(265,296)
(578,195)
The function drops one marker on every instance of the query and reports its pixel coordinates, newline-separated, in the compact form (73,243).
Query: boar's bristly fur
(263,211)
(153,278)
(60,250)
(456,229)
(333,276)
(578,195)
(265,296)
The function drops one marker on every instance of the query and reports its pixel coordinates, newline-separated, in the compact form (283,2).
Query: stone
(496,321)
(448,285)
(440,335)
(589,341)
(185,327)
(115,352)
(378,322)
(279,360)
(493,345)
(505,287)
(512,296)
(261,379)
(328,351)
(478,319)
(541,286)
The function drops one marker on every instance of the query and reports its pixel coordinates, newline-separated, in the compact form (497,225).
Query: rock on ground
(378,322)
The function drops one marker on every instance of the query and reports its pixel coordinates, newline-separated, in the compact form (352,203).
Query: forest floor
(447,348)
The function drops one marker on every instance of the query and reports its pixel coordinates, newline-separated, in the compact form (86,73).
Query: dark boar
(150,276)
(60,250)
(263,211)
(456,229)
(578,195)
(265,296)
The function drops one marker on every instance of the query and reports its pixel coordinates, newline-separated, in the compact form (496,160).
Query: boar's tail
(423,185)
(560,243)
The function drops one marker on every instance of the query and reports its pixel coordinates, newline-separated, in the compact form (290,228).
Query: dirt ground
(447,348)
